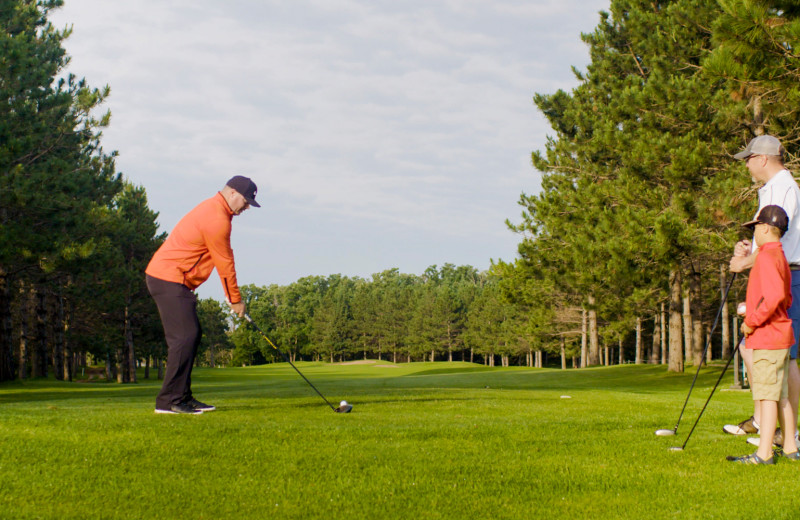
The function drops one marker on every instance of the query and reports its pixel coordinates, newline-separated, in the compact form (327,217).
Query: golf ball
(741,310)
(343,403)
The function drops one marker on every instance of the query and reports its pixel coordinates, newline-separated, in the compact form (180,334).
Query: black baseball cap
(246,187)
(772,215)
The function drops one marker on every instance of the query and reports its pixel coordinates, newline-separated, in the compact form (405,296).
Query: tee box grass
(424,440)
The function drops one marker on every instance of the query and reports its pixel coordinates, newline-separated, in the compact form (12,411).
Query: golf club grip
(708,342)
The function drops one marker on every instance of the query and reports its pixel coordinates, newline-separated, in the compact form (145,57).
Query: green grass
(424,440)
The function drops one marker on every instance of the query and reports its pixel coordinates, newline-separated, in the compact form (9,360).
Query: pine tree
(53,172)
(636,144)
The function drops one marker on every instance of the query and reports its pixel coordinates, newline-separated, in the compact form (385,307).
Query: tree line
(452,313)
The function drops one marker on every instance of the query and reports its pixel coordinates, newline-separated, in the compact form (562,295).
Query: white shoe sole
(733,429)
(755,441)
(158,410)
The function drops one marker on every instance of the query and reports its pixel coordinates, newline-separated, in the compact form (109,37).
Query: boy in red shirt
(768,331)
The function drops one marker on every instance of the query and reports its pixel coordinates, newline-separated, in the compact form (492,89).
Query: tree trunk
(41,349)
(584,337)
(62,328)
(6,330)
(725,317)
(621,356)
(24,331)
(758,116)
(147,367)
(664,347)
(56,321)
(129,347)
(655,352)
(698,326)
(687,327)
(675,325)
(638,340)
(110,368)
(563,353)
(594,341)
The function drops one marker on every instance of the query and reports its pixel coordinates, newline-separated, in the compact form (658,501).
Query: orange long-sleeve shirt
(200,242)
(769,295)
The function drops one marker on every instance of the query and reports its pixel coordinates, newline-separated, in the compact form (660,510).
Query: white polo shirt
(782,190)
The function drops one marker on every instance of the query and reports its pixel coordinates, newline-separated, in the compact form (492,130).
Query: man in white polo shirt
(764,158)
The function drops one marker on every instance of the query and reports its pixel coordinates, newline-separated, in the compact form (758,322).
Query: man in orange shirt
(200,242)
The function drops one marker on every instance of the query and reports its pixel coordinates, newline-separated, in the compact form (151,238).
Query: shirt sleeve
(217,235)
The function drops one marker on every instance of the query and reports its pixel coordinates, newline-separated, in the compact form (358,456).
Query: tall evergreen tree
(637,143)
(53,172)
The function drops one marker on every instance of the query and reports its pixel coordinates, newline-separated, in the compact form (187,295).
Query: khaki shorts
(770,375)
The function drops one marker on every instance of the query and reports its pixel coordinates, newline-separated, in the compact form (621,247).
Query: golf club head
(676,448)
(344,409)
(665,433)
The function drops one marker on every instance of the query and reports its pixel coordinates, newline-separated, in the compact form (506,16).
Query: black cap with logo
(246,187)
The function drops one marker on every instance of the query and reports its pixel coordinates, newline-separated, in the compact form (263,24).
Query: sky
(381,134)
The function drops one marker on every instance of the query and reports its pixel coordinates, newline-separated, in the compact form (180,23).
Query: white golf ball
(343,403)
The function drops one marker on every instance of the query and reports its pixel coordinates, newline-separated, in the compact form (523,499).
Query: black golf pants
(177,306)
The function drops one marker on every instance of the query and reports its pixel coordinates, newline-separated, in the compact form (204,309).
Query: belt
(794,267)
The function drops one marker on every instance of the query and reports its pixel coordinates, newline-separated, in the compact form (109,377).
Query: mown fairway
(423,441)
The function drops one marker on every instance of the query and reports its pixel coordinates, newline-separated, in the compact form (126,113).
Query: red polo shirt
(769,295)
(200,242)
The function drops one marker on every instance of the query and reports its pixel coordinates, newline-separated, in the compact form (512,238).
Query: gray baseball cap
(761,145)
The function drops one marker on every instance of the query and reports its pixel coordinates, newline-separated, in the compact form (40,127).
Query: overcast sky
(381,134)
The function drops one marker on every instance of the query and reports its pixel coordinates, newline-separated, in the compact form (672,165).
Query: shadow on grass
(279,381)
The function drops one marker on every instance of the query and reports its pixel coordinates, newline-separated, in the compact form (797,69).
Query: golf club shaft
(708,342)
(711,394)
(286,358)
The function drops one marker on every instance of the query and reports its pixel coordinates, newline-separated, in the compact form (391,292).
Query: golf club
(707,400)
(674,431)
(343,406)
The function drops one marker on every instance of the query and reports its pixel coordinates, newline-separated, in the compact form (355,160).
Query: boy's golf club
(674,431)
(343,406)
(676,448)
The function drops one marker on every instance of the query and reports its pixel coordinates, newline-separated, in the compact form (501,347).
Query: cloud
(371,120)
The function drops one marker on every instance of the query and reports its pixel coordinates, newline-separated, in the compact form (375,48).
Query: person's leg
(769,418)
(794,371)
(187,392)
(787,419)
(747,357)
(177,306)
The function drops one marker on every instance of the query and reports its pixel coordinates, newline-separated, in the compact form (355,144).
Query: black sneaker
(180,408)
(203,407)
